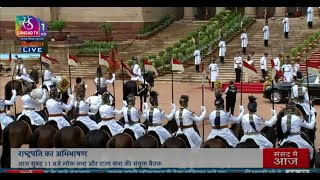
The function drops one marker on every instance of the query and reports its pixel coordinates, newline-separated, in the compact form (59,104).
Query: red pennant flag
(148,66)
(275,72)
(313,67)
(177,66)
(113,61)
(48,60)
(248,68)
(103,60)
(128,70)
(72,60)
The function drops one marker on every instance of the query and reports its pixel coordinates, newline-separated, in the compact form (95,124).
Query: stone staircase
(297,34)
(159,42)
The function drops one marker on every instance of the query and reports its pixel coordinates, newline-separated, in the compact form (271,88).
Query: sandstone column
(250,11)
(54,13)
(279,12)
(316,11)
(220,9)
(188,13)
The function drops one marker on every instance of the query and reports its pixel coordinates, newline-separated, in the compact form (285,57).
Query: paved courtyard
(195,101)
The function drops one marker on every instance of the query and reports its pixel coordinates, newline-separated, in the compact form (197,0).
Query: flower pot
(57,35)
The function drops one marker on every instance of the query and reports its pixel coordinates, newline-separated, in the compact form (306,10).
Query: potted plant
(106,28)
(55,31)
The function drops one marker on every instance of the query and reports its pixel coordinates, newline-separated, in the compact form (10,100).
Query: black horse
(132,87)
(18,85)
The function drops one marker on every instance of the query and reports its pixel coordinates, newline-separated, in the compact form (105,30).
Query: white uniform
(188,117)
(250,132)
(104,82)
(264,63)
(296,68)
(197,57)
(277,64)
(84,117)
(23,73)
(214,71)
(295,95)
(47,78)
(4,119)
(137,74)
(265,33)
(287,72)
(30,105)
(135,116)
(94,103)
(222,48)
(310,14)
(107,111)
(225,132)
(295,136)
(56,108)
(244,40)
(157,116)
(285,25)
(237,62)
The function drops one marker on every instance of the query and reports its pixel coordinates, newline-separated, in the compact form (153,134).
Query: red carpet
(254,88)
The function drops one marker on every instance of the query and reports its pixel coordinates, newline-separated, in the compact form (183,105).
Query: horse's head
(149,77)
(34,75)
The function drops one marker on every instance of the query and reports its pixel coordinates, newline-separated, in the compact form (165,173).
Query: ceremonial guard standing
(286,26)
(155,115)
(107,113)
(296,68)
(264,65)
(247,76)
(222,49)
(185,118)
(219,120)
(266,34)
(277,63)
(287,71)
(55,108)
(214,72)
(197,59)
(4,119)
(244,41)
(253,124)
(238,66)
(310,17)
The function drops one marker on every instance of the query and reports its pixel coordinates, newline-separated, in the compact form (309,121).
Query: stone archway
(260,11)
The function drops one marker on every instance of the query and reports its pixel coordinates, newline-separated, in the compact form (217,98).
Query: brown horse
(149,140)
(69,137)
(174,142)
(15,135)
(216,142)
(96,139)
(122,140)
(44,136)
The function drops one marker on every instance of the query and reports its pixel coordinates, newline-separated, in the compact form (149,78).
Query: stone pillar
(250,11)
(316,11)
(279,12)
(54,13)
(220,9)
(188,13)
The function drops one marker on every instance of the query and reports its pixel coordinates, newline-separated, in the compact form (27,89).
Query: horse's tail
(6,150)
(34,139)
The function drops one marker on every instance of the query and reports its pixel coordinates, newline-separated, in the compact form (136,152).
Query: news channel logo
(32,31)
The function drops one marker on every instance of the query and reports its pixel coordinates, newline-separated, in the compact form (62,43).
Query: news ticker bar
(159,158)
(162,170)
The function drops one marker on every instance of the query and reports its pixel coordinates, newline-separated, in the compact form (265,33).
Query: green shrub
(180,56)
(176,45)
(183,41)
(57,25)
(293,52)
(174,56)
(169,49)
(299,48)
(161,53)
(106,28)
(310,39)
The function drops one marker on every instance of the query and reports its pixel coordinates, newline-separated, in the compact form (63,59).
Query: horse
(43,136)
(18,85)
(132,87)
(69,137)
(317,159)
(216,142)
(15,135)
(174,142)
(96,139)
